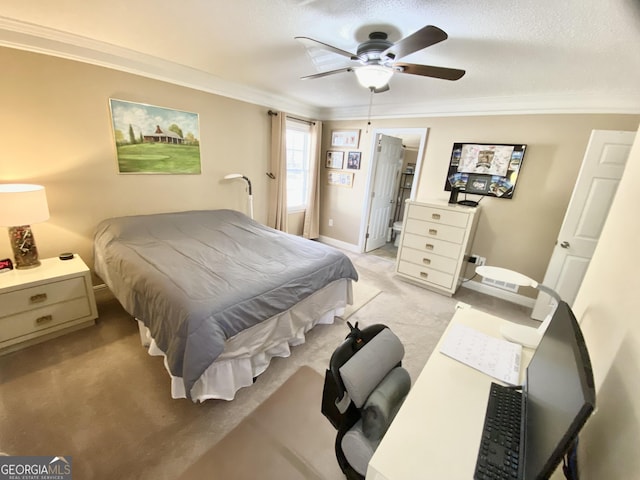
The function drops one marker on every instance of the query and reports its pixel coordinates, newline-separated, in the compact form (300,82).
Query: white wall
(607,308)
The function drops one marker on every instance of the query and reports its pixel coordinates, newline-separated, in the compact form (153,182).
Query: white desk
(436,433)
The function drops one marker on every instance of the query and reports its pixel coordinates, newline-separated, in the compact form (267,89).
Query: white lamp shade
(22,204)
(373,76)
(232,175)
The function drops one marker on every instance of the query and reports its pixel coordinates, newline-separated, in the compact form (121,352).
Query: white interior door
(387,161)
(588,208)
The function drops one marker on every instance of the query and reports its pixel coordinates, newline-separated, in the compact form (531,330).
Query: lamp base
(24,248)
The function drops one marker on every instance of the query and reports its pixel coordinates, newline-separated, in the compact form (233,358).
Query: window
(298,152)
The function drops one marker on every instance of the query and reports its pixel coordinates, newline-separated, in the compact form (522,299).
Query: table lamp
(232,176)
(525,336)
(20,206)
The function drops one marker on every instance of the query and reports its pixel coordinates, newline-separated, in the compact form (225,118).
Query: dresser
(435,244)
(44,302)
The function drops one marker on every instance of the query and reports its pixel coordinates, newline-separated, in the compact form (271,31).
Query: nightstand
(44,302)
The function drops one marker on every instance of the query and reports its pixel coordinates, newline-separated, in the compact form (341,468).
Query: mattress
(196,279)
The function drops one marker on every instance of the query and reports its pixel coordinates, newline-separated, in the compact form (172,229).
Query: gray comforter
(198,278)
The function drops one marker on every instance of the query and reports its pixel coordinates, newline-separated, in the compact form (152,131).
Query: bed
(217,294)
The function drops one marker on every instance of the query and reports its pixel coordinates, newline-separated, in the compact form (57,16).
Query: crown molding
(38,39)
(513,105)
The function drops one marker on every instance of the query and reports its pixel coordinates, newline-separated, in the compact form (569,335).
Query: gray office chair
(364,388)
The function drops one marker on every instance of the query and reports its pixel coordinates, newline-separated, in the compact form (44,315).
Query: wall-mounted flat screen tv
(489,169)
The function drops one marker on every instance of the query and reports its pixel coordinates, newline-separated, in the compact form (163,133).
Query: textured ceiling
(520,56)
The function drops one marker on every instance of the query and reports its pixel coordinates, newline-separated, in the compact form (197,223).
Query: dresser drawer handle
(426,261)
(424,274)
(38,298)
(433,231)
(428,246)
(435,216)
(44,319)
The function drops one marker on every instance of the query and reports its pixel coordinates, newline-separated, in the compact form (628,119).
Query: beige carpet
(363,293)
(286,437)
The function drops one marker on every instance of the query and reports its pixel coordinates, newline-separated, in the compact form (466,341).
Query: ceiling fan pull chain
(371,89)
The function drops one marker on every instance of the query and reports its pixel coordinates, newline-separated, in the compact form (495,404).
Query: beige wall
(608,312)
(56,131)
(519,233)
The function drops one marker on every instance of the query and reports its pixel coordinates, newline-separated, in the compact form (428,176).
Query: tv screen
(489,169)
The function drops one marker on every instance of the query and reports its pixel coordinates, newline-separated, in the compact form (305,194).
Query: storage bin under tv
(435,244)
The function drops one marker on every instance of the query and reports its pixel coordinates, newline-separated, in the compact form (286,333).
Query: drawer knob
(428,246)
(433,231)
(426,261)
(44,319)
(38,298)
(435,216)
(424,274)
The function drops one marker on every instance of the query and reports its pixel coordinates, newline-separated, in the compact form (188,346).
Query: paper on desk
(493,356)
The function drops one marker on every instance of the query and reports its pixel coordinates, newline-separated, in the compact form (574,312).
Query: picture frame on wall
(340,179)
(155,140)
(345,138)
(334,159)
(353,160)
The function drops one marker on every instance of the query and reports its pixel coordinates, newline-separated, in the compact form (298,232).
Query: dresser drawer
(41,319)
(429,260)
(432,245)
(425,274)
(434,230)
(42,295)
(439,215)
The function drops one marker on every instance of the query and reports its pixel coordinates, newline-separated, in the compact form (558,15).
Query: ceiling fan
(378,58)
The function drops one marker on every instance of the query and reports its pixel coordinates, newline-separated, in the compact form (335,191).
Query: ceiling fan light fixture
(373,76)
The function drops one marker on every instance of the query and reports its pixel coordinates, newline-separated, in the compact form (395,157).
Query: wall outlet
(477,260)
(331,222)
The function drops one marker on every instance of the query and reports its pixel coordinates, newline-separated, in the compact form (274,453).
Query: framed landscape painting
(152,139)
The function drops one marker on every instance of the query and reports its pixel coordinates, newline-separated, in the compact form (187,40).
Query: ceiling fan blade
(423,38)
(325,74)
(430,71)
(328,47)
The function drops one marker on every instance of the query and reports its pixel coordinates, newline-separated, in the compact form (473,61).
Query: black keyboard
(498,456)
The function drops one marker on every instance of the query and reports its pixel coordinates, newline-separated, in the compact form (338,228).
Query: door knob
(565,244)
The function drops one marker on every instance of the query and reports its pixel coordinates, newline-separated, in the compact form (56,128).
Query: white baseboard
(349,247)
(98,288)
(500,293)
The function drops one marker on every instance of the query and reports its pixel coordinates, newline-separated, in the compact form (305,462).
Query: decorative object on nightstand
(525,336)
(20,206)
(232,176)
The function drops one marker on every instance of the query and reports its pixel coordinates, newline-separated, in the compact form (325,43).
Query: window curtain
(311,226)
(277,216)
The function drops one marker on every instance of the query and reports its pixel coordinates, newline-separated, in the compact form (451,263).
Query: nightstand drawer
(432,245)
(425,274)
(43,318)
(42,295)
(433,230)
(438,215)
(429,260)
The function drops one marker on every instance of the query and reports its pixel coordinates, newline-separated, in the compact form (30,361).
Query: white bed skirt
(247,354)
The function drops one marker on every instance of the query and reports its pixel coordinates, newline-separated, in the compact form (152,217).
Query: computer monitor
(559,393)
